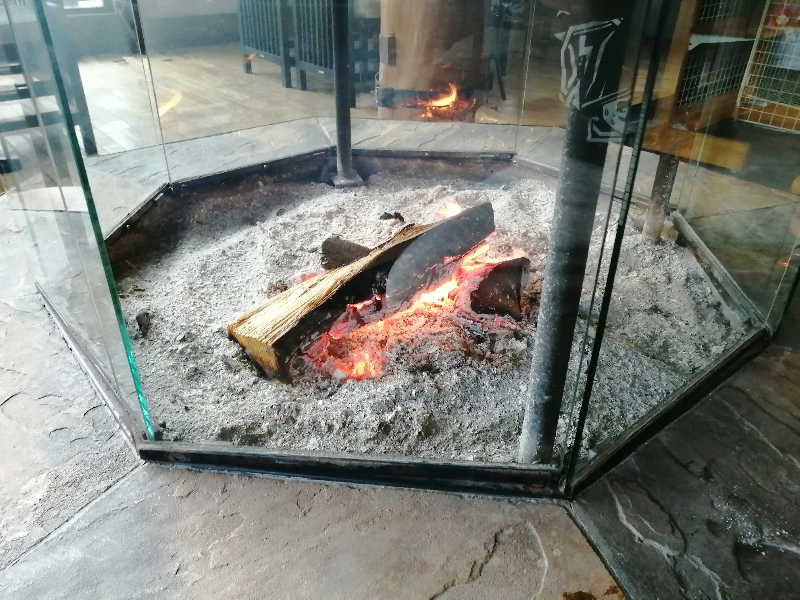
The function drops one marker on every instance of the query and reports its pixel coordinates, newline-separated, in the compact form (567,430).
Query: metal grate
(716,10)
(713,70)
(314,33)
(771,92)
(260,22)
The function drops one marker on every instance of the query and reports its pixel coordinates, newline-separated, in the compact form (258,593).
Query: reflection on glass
(238,83)
(445,66)
(107,83)
(708,257)
(46,198)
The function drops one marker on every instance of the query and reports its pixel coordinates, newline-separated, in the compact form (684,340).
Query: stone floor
(709,508)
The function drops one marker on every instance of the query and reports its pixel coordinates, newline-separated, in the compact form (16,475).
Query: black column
(345,175)
(592,55)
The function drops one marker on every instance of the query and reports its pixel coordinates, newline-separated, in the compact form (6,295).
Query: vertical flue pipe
(345,175)
(592,56)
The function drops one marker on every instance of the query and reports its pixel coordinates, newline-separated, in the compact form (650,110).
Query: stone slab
(169,533)
(709,507)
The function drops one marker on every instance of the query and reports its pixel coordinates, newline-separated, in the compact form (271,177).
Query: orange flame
(446,99)
(365,366)
(478,259)
(439,295)
(355,345)
(444,106)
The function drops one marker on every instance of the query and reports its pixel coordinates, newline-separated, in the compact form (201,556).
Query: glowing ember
(479,259)
(356,344)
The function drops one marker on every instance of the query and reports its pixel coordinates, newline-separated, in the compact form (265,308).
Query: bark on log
(261,329)
(500,292)
(414,269)
(337,252)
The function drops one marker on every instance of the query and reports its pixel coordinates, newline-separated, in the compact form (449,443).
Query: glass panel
(425,352)
(239,82)
(706,258)
(520,242)
(458,88)
(107,81)
(45,198)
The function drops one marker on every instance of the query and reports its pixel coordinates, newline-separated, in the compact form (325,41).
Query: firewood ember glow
(357,343)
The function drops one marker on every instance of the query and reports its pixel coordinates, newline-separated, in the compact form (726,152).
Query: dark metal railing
(299,33)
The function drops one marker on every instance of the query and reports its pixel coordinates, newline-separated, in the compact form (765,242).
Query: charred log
(393,216)
(337,252)
(500,292)
(416,268)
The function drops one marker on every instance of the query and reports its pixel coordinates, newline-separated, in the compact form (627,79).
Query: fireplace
(398,319)
(441,284)
(456,284)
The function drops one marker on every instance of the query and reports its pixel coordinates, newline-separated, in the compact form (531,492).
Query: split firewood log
(271,331)
(266,330)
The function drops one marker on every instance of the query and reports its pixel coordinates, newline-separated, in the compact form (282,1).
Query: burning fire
(444,107)
(447,99)
(355,346)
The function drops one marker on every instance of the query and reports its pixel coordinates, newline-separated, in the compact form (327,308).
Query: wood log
(453,237)
(337,252)
(273,330)
(500,292)
(263,330)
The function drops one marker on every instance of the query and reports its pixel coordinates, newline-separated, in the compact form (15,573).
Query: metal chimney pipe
(345,175)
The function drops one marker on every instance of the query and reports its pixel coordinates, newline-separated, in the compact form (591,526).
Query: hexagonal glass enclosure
(483,244)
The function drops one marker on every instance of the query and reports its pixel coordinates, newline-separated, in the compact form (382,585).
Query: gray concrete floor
(83,517)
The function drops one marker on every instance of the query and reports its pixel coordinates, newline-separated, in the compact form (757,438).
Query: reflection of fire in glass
(448,106)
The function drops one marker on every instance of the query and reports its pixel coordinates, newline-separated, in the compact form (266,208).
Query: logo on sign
(584,49)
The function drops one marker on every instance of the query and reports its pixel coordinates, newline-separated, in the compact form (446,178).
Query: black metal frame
(504,480)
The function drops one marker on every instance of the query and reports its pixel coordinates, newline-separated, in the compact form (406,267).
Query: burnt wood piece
(500,292)
(453,237)
(337,252)
(269,331)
